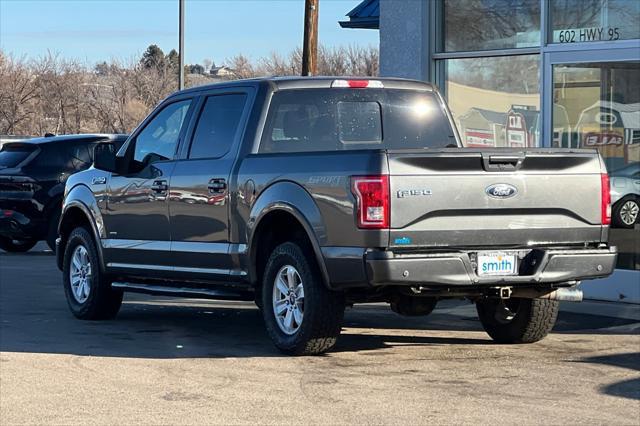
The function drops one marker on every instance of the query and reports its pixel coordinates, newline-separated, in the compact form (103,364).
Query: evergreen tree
(173,60)
(196,69)
(153,57)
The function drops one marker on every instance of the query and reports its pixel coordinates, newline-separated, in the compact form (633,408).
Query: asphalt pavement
(177,361)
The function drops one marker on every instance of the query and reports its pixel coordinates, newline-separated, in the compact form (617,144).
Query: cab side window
(217,125)
(159,139)
(81,155)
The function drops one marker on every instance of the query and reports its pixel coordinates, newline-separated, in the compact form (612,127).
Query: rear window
(359,122)
(66,155)
(344,119)
(13,154)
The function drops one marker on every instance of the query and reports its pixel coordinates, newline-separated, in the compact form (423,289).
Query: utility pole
(181,46)
(310,41)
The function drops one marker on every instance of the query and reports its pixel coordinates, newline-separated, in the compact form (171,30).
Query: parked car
(625,195)
(32,177)
(330,192)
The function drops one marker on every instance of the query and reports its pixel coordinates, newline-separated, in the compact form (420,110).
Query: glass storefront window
(490,24)
(597,105)
(579,21)
(495,101)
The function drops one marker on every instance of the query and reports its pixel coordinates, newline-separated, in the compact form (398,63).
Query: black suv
(33,173)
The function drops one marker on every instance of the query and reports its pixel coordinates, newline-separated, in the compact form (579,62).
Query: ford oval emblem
(501,190)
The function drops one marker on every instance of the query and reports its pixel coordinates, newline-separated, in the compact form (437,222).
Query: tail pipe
(568,294)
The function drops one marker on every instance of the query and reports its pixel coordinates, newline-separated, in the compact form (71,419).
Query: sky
(97,30)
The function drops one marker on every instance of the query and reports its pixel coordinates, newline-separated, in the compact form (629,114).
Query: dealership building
(532,73)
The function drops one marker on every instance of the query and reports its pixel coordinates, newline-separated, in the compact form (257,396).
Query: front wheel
(88,290)
(16,246)
(301,315)
(517,320)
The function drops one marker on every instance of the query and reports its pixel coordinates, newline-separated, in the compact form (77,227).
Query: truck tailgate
(501,198)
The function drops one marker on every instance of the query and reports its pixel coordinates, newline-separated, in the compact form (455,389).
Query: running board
(199,293)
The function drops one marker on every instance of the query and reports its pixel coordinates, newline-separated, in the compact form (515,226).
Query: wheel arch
(626,197)
(80,208)
(279,204)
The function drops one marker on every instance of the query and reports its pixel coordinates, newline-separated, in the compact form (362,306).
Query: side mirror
(104,157)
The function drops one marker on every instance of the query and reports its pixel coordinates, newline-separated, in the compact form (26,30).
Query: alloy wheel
(80,274)
(629,212)
(288,299)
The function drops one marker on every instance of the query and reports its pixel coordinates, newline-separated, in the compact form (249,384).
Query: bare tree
(207,65)
(242,66)
(18,94)
(53,94)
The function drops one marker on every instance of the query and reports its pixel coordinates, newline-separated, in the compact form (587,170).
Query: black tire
(52,231)
(16,246)
(323,308)
(616,213)
(102,302)
(413,306)
(532,319)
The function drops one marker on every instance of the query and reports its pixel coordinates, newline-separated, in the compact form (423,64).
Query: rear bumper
(18,226)
(355,267)
(456,269)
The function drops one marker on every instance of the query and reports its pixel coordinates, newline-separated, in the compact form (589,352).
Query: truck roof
(64,138)
(295,82)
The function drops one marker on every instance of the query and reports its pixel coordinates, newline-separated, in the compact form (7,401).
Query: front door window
(159,139)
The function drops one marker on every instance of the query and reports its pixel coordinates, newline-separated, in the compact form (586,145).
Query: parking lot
(173,361)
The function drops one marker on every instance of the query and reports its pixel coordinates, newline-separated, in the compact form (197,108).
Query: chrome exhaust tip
(569,294)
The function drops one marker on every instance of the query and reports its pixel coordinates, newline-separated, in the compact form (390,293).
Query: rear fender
(295,200)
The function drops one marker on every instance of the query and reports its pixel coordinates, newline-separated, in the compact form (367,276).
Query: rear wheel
(301,315)
(88,290)
(517,320)
(16,246)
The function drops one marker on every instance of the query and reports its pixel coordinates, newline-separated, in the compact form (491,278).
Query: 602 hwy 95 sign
(581,35)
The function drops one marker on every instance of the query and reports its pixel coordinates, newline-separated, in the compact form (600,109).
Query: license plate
(497,263)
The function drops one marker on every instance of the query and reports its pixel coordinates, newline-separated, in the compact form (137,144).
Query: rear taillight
(16,187)
(372,196)
(605,199)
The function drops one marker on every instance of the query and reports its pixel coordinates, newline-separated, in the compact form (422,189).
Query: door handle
(217,186)
(159,186)
(502,162)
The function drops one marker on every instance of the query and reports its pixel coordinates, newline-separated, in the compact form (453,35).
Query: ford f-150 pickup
(307,195)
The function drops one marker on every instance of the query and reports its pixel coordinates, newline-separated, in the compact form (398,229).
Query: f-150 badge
(403,193)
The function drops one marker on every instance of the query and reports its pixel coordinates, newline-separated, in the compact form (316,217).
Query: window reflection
(495,101)
(576,21)
(597,106)
(487,25)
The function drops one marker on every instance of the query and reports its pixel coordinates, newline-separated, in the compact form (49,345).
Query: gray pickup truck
(307,195)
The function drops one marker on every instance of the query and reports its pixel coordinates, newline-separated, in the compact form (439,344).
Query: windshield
(346,119)
(13,154)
